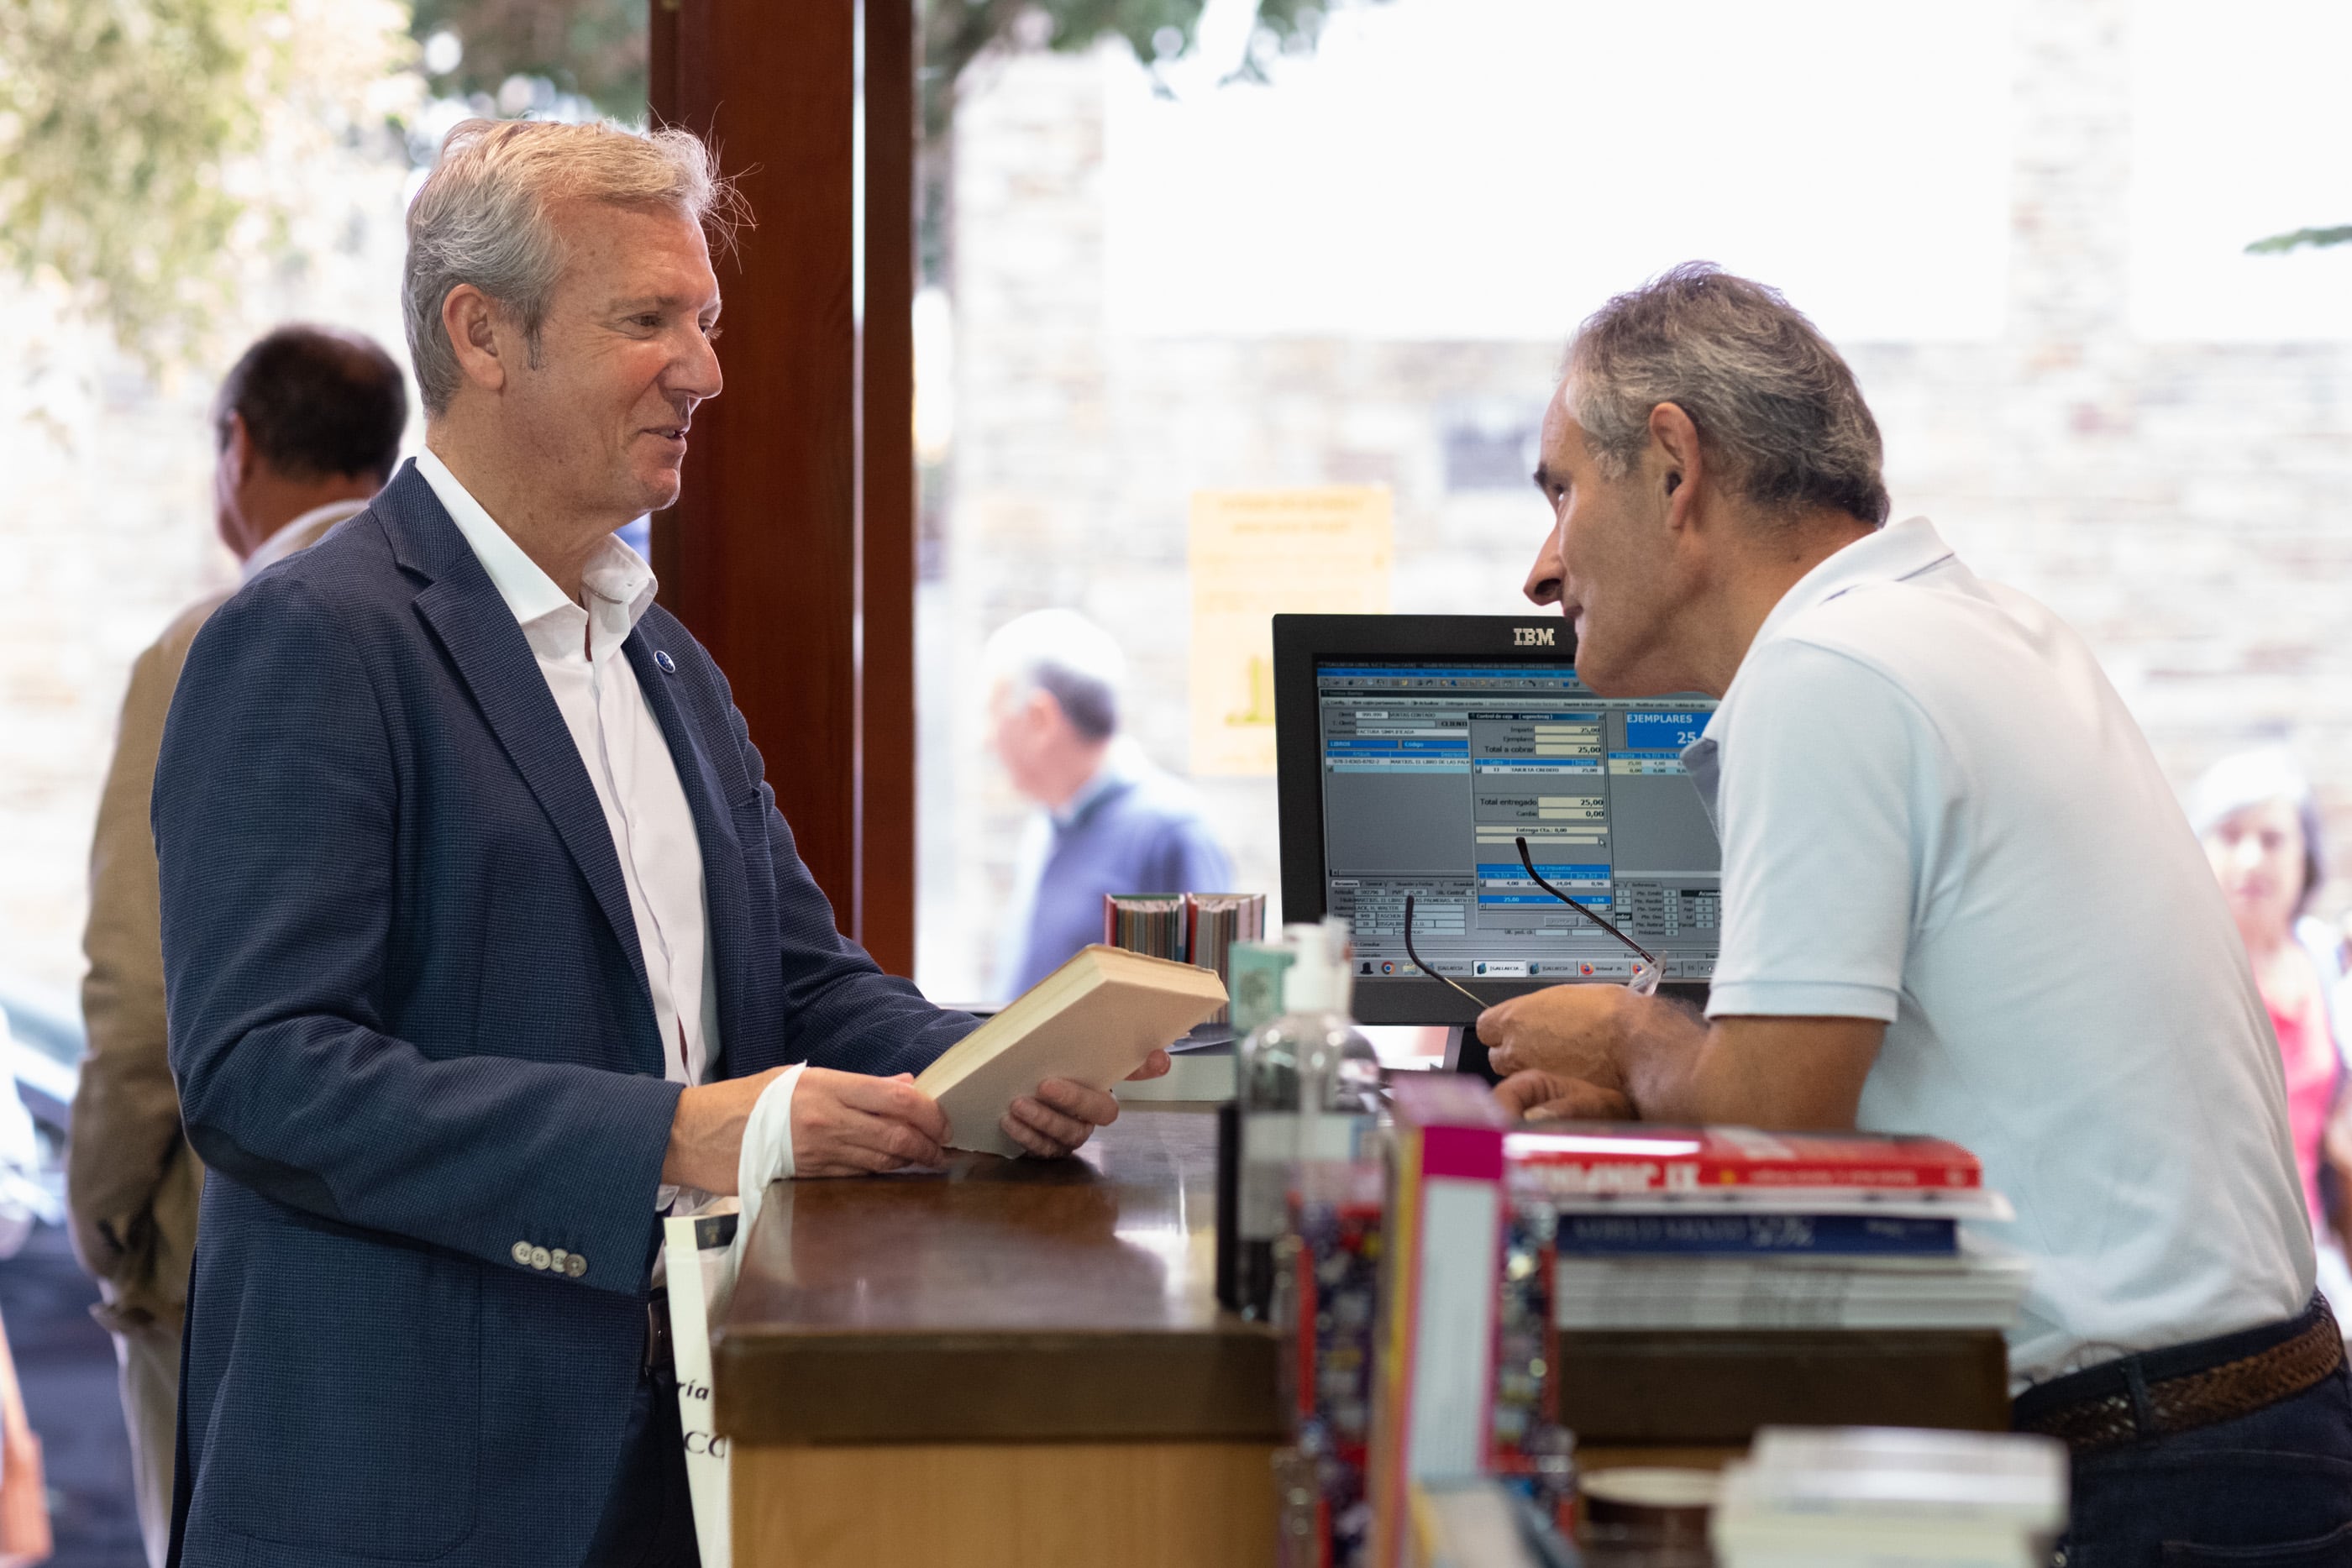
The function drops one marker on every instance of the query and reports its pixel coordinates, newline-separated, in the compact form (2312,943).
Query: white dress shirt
(578,646)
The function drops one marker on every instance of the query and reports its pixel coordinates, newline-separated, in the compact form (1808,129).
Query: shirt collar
(1889,555)
(1893,553)
(618,583)
(300,534)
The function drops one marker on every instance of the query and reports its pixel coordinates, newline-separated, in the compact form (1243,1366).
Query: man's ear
(237,450)
(481,335)
(1676,461)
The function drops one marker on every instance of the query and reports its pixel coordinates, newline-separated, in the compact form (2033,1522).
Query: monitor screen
(1430,765)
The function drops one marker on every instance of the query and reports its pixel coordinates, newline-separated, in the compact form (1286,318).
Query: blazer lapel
(474,624)
(725,898)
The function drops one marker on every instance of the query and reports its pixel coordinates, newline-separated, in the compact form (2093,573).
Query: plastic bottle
(1307,1089)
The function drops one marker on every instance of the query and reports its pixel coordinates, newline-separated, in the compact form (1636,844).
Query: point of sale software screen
(1431,772)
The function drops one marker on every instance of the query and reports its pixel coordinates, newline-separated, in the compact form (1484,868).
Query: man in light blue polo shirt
(1959,899)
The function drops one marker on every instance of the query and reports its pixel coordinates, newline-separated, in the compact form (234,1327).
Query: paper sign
(1327,550)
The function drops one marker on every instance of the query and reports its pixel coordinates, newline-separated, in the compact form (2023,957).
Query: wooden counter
(1015,1361)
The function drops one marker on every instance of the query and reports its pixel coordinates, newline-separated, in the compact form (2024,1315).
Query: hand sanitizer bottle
(1308,1089)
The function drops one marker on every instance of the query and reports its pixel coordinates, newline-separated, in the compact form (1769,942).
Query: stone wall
(2187,506)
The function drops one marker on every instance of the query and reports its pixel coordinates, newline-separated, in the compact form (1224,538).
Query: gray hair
(1775,405)
(1067,657)
(484,216)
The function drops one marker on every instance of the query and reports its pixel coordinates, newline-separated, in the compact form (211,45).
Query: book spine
(1650,1313)
(1642,1235)
(1605,1173)
(1435,1396)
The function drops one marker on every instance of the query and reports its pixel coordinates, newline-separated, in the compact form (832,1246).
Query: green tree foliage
(115,116)
(2297,239)
(154,152)
(596,48)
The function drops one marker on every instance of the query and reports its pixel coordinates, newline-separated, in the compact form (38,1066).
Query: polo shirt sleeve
(1825,809)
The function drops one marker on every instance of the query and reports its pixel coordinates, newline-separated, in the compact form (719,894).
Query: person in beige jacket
(308,423)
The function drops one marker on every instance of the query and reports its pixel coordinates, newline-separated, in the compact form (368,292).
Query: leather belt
(661,1355)
(2133,1407)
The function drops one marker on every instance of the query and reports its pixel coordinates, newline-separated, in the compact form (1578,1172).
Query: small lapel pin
(668,666)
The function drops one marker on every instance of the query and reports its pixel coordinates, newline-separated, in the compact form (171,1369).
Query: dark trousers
(648,1520)
(2272,1489)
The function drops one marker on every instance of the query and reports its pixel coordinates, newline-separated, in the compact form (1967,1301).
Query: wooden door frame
(790,553)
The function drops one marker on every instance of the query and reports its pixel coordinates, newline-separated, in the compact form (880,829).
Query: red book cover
(1637,1157)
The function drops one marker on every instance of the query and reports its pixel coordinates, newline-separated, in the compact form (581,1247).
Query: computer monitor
(1414,751)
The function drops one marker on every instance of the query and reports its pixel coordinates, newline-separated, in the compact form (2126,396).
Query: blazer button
(521,1253)
(555,1260)
(540,1257)
(575,1266)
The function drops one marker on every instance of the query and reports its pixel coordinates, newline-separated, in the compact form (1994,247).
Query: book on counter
(1613,1234)
(1730,1227)
(1604,1158)
(1977,1287)
(1847,1497)
(1093,1021)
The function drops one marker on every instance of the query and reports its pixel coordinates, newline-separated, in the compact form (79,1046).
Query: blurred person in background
(307,425)
(2260,829)
(24,1493)
(1107,820)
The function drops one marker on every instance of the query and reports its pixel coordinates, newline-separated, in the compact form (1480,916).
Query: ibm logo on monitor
(1533,636)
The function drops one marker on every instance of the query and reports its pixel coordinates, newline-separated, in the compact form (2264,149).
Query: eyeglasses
(1644,982)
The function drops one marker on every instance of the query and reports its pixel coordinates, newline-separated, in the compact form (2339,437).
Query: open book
(1093,1021)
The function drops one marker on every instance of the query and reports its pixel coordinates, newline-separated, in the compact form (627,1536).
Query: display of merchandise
(1727,1227)
(1330,1290)
(1613,1234)
(1481,1524)
(1214,924)
(1147,922)
(1327,1307)
(1978,1287)
(1810,1498)
(1309,1090)
(1433,1372)
(1600,1158)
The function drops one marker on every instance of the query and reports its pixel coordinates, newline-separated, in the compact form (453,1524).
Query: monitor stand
(1466,1053)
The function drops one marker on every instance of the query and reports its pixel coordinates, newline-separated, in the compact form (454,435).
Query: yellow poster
(1322,552)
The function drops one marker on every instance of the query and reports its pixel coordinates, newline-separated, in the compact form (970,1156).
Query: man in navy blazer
(482,932)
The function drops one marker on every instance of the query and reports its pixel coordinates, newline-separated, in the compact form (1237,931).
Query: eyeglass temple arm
(1478,1000)
(1528,861)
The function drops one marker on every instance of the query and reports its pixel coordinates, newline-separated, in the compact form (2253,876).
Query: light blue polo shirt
(1936,811)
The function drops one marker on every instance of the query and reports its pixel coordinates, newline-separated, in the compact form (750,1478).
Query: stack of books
(1727,1227)
(1877,1496)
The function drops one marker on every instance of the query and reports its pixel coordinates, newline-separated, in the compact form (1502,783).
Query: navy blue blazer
(412,1030)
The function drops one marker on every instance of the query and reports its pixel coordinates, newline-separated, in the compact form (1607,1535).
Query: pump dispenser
(1308,1090)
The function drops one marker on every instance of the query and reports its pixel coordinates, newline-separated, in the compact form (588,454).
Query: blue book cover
(1602,1235)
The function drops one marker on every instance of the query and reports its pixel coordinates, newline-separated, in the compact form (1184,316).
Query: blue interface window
(1431,773)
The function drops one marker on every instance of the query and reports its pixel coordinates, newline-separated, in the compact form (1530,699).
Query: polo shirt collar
(1895,553)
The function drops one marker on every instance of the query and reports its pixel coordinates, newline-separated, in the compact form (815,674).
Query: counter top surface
(998,1298)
